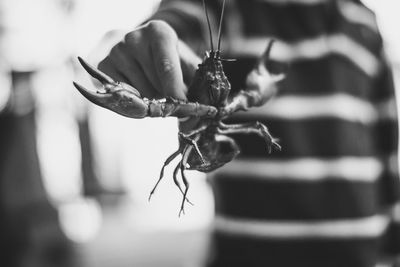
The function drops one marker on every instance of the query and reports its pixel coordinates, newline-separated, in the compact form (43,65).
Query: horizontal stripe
(385,135)
(364,35)
(288,199)
(298,2)
(387,109)
(328,75)
(294,22)
(341,106)
(365,169)
(357,13)
(284,22)
(368,227)
(239,251)
(325,137)
(310,49)
(385,264)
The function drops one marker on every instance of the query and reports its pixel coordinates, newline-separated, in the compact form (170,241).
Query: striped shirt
(329,197)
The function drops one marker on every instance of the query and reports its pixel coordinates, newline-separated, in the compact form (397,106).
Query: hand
(152,59)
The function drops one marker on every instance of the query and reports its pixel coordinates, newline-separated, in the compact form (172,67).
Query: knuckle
(116,50)
(165,66)
(103,65)
(156,26)
(160,29)
(133,37)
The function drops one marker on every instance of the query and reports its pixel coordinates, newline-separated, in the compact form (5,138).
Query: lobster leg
(167,161)
(187,139)
(260,87)
(194,132)
(185,157)
(127,101)
(175,177)
(251,127)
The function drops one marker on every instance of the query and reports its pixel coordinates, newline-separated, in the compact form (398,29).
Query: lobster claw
(127,101)
(115,96)
(261,69)
(261,81)
(260,86)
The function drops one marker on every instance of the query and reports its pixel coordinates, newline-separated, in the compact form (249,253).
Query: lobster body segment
(216,149)
(210,86)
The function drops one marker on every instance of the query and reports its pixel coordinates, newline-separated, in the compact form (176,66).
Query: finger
(131,70)
(138,48)
(108,67)
(166,59)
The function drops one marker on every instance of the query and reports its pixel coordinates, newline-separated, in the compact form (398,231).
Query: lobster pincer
(127,101)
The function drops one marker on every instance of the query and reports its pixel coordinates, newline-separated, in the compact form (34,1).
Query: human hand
(153,60)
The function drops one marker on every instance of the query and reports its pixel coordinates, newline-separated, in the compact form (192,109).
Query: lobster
(207,145)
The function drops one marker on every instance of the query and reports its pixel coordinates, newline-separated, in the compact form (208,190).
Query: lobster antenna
(209,25)
(220,26)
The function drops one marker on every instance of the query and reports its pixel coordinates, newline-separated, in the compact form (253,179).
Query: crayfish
(207,146)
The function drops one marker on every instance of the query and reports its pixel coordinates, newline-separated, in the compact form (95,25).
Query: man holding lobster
(328,198)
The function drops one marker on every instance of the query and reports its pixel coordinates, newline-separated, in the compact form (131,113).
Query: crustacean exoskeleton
(207,145)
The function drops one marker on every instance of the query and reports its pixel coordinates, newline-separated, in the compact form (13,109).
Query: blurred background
(74,178)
